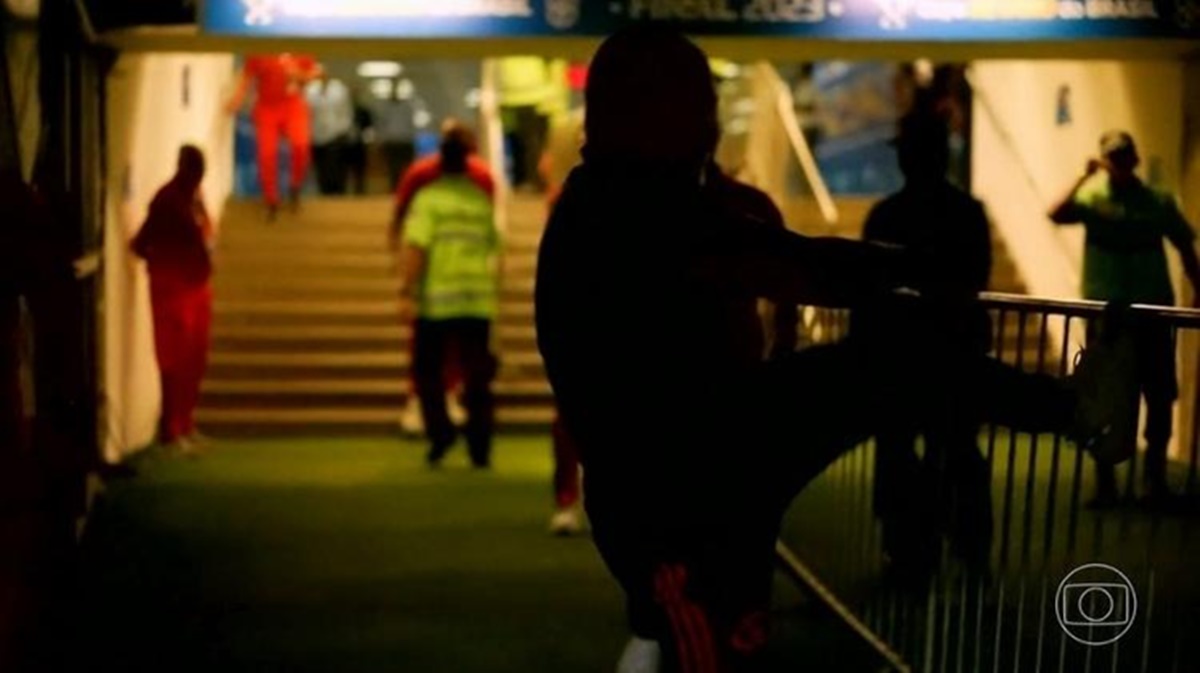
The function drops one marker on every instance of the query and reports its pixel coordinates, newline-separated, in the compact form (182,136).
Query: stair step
(282,289)
(303,387)
(343,359)
(340,393)
(385,365)
(234,292)
(364,308)
(306,336)
(345,321)
(355,240)
(345,421)
(524,210)
(229,261)
(334,333)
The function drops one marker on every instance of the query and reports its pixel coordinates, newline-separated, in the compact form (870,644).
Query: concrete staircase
(306,338)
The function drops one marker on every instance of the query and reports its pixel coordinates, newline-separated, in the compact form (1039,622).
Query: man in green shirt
(1125,261)
(450,286)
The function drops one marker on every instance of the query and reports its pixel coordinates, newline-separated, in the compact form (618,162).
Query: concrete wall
(1024,158)
(156,103)
(21,52)
(1190,344)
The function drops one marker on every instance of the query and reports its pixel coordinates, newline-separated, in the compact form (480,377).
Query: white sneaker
(200,440)
(640,656)
(1105,380)
(183,447)
(411,421)
(566,522)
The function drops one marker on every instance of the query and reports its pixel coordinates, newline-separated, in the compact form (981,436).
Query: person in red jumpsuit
(176,242)
(279,108)
(421,173)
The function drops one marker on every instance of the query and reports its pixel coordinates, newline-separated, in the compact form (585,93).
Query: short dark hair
(191,160)
(923,145)
(458,142)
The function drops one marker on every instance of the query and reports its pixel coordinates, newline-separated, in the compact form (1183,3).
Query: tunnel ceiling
(112,14)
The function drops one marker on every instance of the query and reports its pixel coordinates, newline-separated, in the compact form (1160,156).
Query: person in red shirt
(279,107)
(421,173)
(176,242)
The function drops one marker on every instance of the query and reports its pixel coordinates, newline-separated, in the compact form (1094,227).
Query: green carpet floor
(350,555)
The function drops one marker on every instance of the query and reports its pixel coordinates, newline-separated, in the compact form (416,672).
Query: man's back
(452,219)
(637,343)
(950,229)
(947,224)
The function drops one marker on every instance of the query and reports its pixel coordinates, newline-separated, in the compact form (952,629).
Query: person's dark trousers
(1155,347)
(963,482)
(783,427)
(516,157)
(469,339)
(532,129)
(398,155)
(330,159)
(356,167)
(906,504)
(948,490)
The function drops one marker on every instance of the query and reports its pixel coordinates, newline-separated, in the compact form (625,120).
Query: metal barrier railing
(1021,606)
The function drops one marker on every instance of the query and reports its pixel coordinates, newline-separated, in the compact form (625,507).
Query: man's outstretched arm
(790,268)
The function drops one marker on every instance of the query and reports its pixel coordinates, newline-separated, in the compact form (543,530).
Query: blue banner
(857,111)
(956,20)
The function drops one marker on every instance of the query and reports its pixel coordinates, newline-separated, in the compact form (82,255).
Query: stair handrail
(785,109)
(493,135)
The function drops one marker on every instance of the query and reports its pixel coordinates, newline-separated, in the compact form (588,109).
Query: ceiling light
(382,88)
(372,69)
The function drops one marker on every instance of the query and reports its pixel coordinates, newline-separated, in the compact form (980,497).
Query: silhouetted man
(691,450)
(1127,222)
(951,229)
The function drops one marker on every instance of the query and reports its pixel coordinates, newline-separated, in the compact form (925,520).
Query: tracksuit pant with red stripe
(291,120)
(692,541)
(182,323)
(566,467)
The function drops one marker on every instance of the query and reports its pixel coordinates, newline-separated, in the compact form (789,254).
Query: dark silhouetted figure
(913,496)
(691,449)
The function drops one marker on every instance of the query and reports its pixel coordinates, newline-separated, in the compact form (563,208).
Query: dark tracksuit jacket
(643,279)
